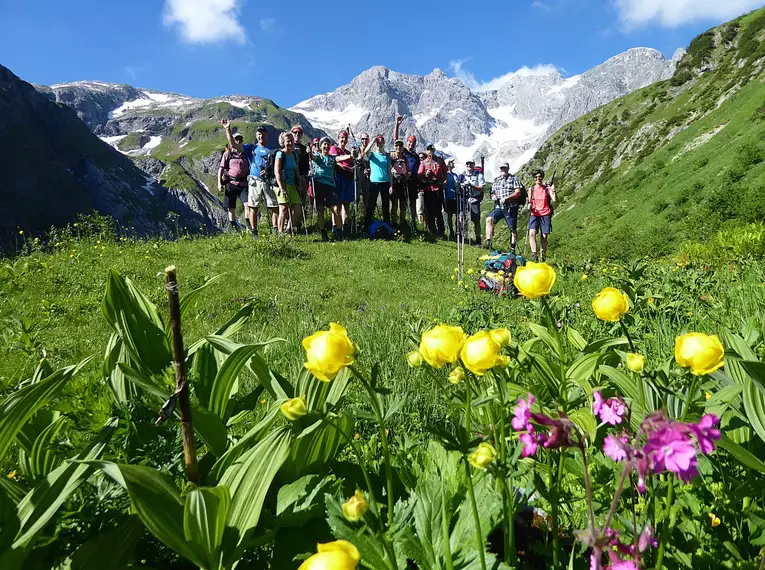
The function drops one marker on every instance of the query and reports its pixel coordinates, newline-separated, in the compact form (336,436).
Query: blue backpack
(380,230)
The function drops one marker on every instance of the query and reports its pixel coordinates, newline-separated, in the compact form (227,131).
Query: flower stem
(588,488)
(627,334)
(445,529)
(615,502)
(554,514)
(478,533)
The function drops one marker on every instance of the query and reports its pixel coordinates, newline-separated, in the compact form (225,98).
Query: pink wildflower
(672,450)
(610,411)
(616,448)
(647,539)
(706,433)
(530,445)
(522,413)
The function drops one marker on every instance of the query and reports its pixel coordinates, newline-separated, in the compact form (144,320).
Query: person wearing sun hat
(432,176)
(472,183)
(379,179)
(413,186)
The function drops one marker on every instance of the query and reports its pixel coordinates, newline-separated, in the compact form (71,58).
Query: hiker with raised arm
(344,179)
(541,198)
(362,175)
(399,190)
(432,176)
(472,183)
(324,186)
(287,181)
(508,196)
(410,152)
(379,179)
(232,175)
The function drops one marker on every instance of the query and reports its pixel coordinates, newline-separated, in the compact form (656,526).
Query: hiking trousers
(434,200)
(381,189)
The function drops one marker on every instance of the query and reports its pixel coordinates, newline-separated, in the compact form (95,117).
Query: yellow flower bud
(707,395)
(337,555)
(12,474)
(700,352)
(328,352)
(441,345)
(414,359)
(293,409)
(651,300)
(482,457)
(636,362)
(534,280)
(585,277)
(457,375)
(460,282)
(481,353)
(355,507)
(610,304)
(454,277)
(470,271)
(714,520)
(500,336)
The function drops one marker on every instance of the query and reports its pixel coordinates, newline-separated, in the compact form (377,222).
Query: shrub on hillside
(681,77)
(749,154)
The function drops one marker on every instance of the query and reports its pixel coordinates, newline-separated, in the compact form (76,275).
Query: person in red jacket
(541,198)
(432,177)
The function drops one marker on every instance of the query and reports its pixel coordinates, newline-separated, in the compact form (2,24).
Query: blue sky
(292,51)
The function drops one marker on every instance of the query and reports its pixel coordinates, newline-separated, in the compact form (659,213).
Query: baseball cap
(342,133)
(430,147)
(296,128)
(380,138)
(238,136)
(399,142)
(470,162)
(505,165)
(261,129)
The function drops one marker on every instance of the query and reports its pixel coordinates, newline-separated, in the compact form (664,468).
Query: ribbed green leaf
(583,368)
(157,502)
(188,300)
(544,335)
(744,456)
(42,502)
(19,406)
(575,338)
(249,480)
(585,421)
(116,546)
(136,320)
(42,459)
(204,369)
(204,520)
(276,386)
(316,446)
(754,405)
(227,376)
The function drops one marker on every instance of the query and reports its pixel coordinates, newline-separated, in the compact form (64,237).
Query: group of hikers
(329,176)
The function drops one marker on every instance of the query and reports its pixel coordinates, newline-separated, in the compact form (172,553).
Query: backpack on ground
(236,166)
(380,230)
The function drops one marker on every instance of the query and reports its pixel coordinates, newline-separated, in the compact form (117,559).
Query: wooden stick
(181,380)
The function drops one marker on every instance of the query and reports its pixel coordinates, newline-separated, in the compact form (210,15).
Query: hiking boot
(534,257)
(234,226)
(254,234)
(337,235)
(324,236)
(452,237)
(488,244)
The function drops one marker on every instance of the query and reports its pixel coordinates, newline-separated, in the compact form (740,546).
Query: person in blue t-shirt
(325,186)
(379,179)
(288,181)
(450,196)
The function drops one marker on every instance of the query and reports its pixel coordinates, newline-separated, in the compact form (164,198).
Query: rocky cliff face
(53,168)
(509,123)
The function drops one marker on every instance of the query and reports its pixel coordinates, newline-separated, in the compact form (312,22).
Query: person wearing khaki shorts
(261,192)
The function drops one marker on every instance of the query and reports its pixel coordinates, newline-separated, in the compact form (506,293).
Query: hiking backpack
(400,168)
(236,166)
(271,165)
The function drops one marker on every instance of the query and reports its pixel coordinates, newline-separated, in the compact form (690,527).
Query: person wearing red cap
(410,152)
(344,176)
(432,177)
(304,165)
(379,179)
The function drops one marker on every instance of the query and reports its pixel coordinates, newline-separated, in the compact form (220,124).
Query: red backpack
(236,165)
(400,168)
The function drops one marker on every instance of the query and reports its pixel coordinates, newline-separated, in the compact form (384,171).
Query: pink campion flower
(610,411)
(597,402)
(561,432)
(671,450)
(655,421)
(647,539)
(530,445)
(623,565)
(643,468)
(616,448)
(522,413)
(706,433)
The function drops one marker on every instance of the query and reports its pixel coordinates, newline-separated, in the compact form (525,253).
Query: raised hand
(399,119)
(225,122)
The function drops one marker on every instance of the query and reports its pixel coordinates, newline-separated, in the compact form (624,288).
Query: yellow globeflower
(481,353)
(337,555)
(457,375)
(414,359)
(700,352)
(636,362)
(714,520)
(610,304)
(500,336)
(328,352)
(534,280)
(441,345)
(12,474)
(470,271)
(482,457)
(585,277)
(294,408)
(355,507)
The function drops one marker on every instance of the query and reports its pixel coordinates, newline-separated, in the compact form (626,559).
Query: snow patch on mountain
(329,119)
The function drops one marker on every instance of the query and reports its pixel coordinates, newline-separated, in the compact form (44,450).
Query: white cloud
(541,6)
(267,25)
(678,12)
(457,67)
(132,71)
(205,21)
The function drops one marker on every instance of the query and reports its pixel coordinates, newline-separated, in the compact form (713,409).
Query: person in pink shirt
(344,178)
(541,197)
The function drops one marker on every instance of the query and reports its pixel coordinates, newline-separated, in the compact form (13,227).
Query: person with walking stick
(324,187)
(472,183)
(450,197)
(287,180)
(345,179)
(541,199)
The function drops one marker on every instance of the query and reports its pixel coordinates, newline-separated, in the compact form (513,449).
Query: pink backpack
(237,166)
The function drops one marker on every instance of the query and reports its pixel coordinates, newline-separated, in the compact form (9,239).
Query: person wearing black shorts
(541,199)
(412,184)
(507,195)
(450,196)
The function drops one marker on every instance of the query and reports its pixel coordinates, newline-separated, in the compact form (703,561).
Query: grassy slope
(636,175)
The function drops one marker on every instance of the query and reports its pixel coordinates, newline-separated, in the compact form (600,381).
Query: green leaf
(249,480)
(300,502)
(19,406)
(136,320)
(276,386)
(223,385)
(745,457)
(585,421)
(317,446)
(204,369)
(157,502)
(756,371)
(204,520)
(42,460)
(583,368)
(115,353)
(576,338)
(754,405)
(42,502)
(544,335)
(188,300)
(116,546)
